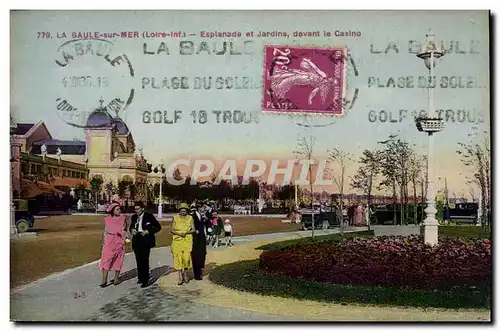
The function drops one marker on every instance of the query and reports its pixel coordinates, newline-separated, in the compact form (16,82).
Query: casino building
(44,165)
(111,156)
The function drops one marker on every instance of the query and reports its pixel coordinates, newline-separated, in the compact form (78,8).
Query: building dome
(121,127)
(99,118)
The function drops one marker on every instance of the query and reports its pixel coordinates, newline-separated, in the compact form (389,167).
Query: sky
(385,76)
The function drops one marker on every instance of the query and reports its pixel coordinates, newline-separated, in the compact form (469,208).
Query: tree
(96,182)
(476,156)
(222,191)
(396,155)
(367,173)
(80,189)
(153,191)
(286,193)
(81,186)
(110,189)
(343,159)
(416,165)
(122,187)
(304,150)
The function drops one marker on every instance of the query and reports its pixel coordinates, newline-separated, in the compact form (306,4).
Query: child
(228,231)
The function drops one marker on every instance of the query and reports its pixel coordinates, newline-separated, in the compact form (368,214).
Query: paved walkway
(74,295)
(168,216)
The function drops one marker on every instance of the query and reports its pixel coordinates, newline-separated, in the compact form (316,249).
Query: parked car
(464,213)
(23,217)
(384,214)
(322,220)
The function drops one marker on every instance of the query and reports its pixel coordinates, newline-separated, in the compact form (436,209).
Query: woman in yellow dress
(182,242)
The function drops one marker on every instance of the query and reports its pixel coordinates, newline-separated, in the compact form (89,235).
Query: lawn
(70,241)
(247,276)
(465,231)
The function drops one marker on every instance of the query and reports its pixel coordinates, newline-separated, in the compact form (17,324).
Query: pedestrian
(79,205)
(182,242)
(350,214)
(345,216)
(367,213)
(199,251)
(228,232)
(113,243)
(216,228)
(358,215)
(143,228)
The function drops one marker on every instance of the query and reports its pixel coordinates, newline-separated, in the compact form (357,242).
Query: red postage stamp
(304,80)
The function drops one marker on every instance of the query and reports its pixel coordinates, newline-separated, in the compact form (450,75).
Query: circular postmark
(91,74)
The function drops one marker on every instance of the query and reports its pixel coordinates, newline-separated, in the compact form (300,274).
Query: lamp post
(430,124)
(160,202)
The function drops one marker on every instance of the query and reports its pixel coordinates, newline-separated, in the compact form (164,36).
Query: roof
(22,128)
(30,190)
(121,126)
(99,118)
(56,142)
(70,182)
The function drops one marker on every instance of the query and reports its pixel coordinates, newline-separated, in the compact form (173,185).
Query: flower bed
(388,261)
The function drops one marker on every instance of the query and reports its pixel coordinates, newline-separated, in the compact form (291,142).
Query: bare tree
(388,163)
(304,150)
(477,156)
(367,174)
(343,159)
(416,164)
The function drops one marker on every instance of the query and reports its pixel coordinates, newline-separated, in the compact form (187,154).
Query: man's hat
(183,206)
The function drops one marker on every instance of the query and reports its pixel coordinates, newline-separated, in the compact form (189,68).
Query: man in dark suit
(143,227)
(208,211)
(199,251)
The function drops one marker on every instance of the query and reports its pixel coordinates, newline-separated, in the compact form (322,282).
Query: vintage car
(24,219)
(322,220)
(464,213)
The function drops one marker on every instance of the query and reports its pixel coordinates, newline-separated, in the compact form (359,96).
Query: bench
(464,219)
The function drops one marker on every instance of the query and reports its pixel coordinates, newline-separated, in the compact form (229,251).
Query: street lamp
(430,124)
(161,170)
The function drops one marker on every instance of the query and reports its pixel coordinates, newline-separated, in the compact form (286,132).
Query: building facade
(43,165)
(111,157)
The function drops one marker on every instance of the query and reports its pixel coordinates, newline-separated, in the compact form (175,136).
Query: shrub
(387,261)
(248,277)
(330,238)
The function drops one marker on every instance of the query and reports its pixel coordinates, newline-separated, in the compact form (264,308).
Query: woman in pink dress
(113,249)
(358,215)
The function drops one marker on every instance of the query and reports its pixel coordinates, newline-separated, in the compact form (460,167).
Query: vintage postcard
(250,166)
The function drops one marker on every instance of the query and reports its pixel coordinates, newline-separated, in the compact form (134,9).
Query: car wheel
(304,227)
(22,225)
(325,225)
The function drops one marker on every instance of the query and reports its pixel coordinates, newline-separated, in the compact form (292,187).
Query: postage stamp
(304,80)
(92,74)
